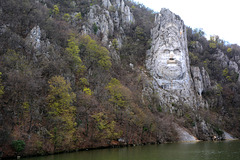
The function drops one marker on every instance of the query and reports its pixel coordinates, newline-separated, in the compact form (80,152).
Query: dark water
(227,150)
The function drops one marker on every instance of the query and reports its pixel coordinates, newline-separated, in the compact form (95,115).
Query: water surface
(226,150)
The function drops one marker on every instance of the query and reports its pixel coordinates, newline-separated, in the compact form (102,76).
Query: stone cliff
(112,16)
(168,64)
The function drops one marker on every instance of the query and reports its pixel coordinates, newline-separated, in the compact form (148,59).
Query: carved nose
(171,56)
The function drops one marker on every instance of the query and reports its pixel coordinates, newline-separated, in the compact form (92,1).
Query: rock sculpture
(167,60)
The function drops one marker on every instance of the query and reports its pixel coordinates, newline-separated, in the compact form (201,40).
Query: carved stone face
(170,55)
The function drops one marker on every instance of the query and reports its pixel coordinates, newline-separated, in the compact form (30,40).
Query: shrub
(18,145)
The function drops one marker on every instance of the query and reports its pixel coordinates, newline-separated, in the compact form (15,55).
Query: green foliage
(60,100)
(199,32)
(115,43)
(83,82)
(193,58)
(55,10)
(96,53)
(1,86)
(87,91)
(159,108)
(106,126)
(229,78)
(219,89)
(18,145)
(95,28)
(225,72)
(67,17)
(26,106)
(192,44)
(61,111)
(73,50)
(229,50)
(206,62)
(133,7)
(139,33)
(218,131)
(78,16)
(118,93)
(212,45)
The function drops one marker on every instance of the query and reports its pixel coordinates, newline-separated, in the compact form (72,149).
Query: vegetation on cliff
(71,94)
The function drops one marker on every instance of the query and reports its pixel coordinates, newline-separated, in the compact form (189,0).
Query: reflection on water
(227,150)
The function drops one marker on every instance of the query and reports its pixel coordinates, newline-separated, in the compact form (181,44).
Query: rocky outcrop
(40,47)
(106,3)
(168,62)
(205,78)
(34,38)
(228,136)
(233,65)
(201,79)
(223,59)
(113,16)
(198,80)
(184,135)
(228,63)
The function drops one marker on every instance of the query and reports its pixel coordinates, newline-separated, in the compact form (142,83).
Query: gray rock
(201,79)
(103,20)
(233,65)
(108,21)
(127,16)
(197,79)
(122,5)
(168,62)
(222,58)
(34,38)
(118,4)
(116,20)
(205,78)
(106,3)
(41,47)
(184,135)
(228,136)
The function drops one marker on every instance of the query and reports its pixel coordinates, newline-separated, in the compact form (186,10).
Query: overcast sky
(215,17)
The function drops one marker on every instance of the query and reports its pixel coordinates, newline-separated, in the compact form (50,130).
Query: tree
(78,16)
(225,72)
(95,53)
(118,93)
(67,17)
(106,127)
(55,10)
(229,50)
(115,44)
(73,50)
(212,45)
(18,145)
(61,111)
(95,28)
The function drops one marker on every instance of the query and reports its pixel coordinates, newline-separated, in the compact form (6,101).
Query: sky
(215,17)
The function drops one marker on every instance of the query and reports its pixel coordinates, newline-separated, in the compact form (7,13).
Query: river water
(226,150)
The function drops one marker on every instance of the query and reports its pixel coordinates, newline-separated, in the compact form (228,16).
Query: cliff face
(168,63)
(110,17)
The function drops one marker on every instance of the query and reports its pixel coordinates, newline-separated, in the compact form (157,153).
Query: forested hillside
(65,85)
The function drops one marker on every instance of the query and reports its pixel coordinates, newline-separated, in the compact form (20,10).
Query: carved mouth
(172,72)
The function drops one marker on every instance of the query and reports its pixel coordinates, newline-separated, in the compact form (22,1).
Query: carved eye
(176,51)
(166,51)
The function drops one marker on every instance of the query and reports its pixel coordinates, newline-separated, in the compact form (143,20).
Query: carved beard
(172,72)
